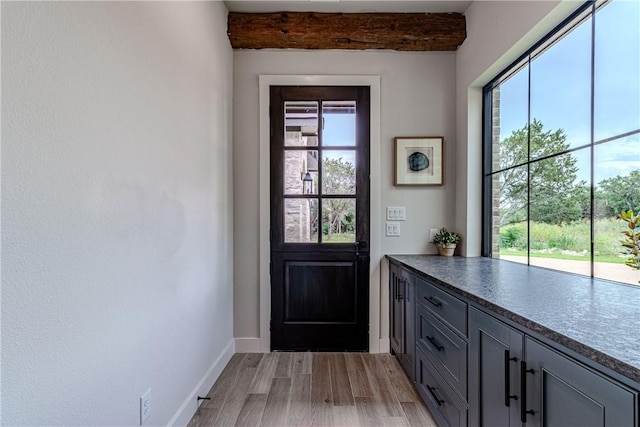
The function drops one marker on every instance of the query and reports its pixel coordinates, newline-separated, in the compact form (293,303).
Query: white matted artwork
(418,160)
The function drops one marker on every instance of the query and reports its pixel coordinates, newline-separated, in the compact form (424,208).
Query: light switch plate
(398,213)
(432,234)
(393,229)
(402,213)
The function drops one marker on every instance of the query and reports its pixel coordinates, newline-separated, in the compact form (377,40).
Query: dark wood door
(320,218)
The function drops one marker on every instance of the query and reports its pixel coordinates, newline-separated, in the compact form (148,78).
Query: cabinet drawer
(448,308)
(446,350)
(444,404)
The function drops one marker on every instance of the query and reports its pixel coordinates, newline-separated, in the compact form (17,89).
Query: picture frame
(418,160)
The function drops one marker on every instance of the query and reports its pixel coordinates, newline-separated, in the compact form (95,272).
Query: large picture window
(562,146)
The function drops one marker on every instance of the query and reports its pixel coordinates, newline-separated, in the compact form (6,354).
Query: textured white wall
(116,209)
(498,32)
(418,99)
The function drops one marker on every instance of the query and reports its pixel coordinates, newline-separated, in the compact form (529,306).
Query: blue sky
(561,90)
(340,130)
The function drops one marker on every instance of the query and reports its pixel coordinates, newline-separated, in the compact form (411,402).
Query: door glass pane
(510,114)
(339,123)
(338,172)
(301,123)
(617,176)
(560,211)
(509,215)
(338,220)
(617,69)
(301,221)
(301,172)
(561,94)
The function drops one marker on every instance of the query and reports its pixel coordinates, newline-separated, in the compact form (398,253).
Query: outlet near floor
(145,406)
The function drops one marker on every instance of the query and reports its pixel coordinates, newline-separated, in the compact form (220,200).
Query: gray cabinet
(402,317)
(560,392)
(446,350)
(516,379)
(445,405)
(441,362)
(396,310)
(494,366)
(472,368)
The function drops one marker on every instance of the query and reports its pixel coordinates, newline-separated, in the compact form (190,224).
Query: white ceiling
(348,6)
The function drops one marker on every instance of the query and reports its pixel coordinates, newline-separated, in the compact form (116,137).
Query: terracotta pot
(447,250)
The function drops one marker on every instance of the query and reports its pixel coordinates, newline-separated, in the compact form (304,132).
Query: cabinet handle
(523,391)
(507,376)
(433,341)
(433,301)
(432,390)
(401,289)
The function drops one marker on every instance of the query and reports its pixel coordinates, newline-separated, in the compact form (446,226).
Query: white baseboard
(248,345)
(385,345)
(190,404)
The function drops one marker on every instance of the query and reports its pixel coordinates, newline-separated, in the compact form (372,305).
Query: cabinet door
(396,307)
(562,392)
(494,371)
(409,353)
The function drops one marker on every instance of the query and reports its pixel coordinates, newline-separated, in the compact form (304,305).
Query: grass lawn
(611,259)
(339,238)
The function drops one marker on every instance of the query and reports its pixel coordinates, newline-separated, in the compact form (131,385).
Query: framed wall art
(418,160)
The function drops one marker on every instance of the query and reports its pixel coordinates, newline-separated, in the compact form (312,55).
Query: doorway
(319,211)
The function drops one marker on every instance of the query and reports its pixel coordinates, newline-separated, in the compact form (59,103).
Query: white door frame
(265,81)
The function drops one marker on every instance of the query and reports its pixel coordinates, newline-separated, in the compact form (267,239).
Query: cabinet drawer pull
(433,341)
(507,377)
(432,390)
(433,301)
(523,391)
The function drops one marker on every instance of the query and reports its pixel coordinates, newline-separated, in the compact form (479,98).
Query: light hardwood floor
(312,389)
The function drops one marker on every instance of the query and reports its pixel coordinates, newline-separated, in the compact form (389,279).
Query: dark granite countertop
(597,319)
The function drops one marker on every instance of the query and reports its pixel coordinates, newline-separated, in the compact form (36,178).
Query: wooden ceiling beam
(356,31)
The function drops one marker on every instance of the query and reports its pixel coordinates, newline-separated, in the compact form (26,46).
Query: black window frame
(587,10)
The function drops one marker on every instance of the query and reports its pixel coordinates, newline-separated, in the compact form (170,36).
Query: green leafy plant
(631,240)
(445,237)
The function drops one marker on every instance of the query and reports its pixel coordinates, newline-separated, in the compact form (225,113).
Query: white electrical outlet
(432,234)
(393,229)
(145,406)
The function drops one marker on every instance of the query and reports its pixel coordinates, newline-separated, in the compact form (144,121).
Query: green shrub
(514,236)
(564,242)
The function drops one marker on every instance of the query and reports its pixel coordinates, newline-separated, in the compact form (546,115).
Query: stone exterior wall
(297,212)
(495,197)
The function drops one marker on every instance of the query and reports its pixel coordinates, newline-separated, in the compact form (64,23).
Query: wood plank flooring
(312,389)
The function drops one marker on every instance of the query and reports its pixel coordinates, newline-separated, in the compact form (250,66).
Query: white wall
(116,209)
(417,99)
(498,32)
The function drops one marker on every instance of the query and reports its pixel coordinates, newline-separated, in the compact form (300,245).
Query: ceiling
(348,6)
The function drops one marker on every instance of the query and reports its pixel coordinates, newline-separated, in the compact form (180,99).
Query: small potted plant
(446,241)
